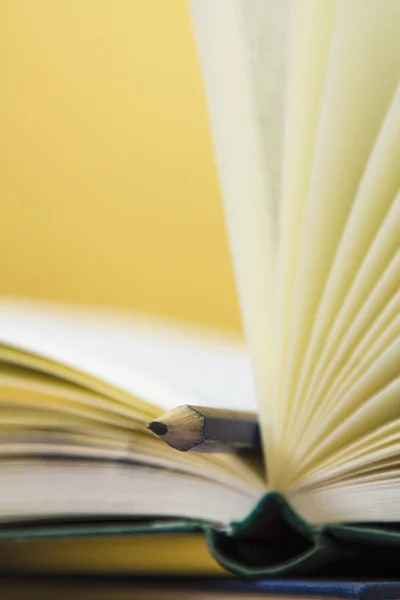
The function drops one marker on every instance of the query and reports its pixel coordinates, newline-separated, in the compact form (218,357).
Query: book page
(247,126)
(364,64)
(159,362)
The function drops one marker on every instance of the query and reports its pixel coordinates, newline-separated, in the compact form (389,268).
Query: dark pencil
(201,429)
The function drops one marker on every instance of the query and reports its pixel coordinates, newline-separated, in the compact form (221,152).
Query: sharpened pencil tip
(157,428)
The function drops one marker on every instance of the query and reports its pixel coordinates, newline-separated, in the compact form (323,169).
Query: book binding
(273,541)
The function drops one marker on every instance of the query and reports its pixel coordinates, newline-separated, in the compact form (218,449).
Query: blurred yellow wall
(108,193)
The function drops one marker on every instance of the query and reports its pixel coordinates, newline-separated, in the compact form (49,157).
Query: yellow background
(108,192)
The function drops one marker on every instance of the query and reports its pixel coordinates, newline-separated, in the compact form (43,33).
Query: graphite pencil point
(158,428)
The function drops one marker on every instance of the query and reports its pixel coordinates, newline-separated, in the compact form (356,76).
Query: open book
(304,106)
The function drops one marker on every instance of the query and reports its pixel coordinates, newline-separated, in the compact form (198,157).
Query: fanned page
(78,387)
(318,277)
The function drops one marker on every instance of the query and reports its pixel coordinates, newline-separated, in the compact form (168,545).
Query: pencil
(201,429)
